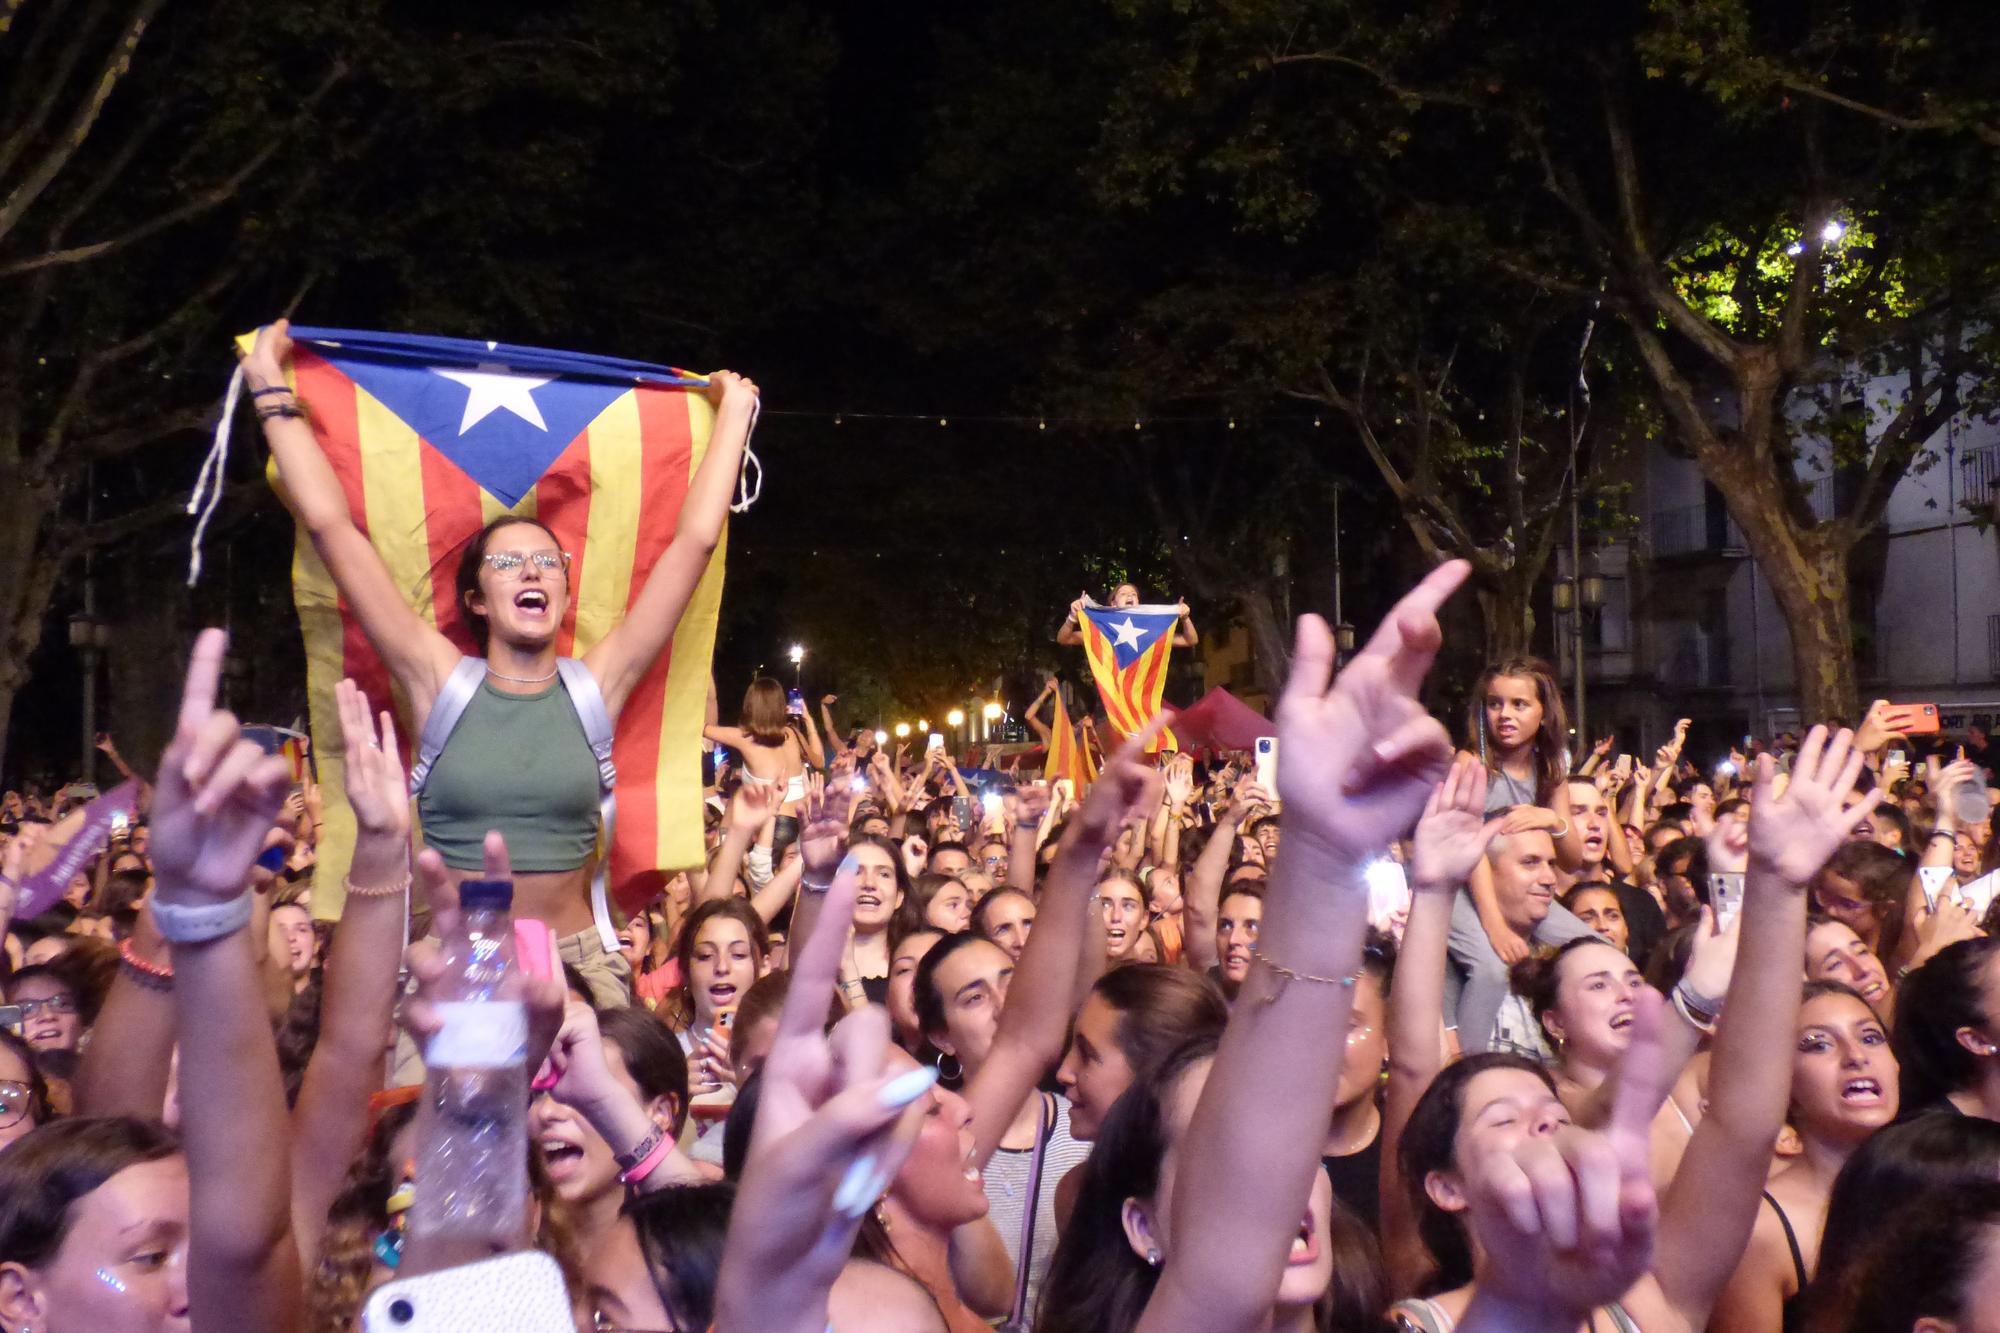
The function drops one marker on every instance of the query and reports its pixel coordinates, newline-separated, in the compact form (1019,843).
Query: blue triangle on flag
(483,418)
(1132,630)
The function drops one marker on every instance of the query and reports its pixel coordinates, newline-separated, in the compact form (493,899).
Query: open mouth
(972,1172)
(1621,1020)
(1861,1092)
(533,601)
(1115,934)
(869,901)
(1305,1245)
(562,1157)
(722,993)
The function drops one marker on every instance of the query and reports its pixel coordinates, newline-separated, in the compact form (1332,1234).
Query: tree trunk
(1507,612)
(24,599)
(1268,654)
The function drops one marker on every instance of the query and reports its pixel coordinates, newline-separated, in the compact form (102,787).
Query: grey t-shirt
(1006,1183)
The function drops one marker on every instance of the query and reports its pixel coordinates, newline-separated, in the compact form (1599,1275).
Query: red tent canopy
(1220,721)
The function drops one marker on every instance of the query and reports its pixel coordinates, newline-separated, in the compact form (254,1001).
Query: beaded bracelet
(151,975)
(393,889)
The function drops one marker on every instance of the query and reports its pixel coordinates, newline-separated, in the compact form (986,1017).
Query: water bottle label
(479,1034)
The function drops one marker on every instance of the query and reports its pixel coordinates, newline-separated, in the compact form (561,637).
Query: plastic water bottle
(472,1136)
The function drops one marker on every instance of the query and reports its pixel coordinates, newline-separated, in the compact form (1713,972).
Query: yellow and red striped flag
(1067,756)
(1128,648)
(431,439)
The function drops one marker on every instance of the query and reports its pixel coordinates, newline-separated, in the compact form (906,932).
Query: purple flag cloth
(43,888)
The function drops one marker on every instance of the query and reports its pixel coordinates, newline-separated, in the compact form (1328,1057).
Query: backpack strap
(449,706)
(588,701)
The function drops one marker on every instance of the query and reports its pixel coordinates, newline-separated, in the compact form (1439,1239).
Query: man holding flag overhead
(559,516)
(1128,646)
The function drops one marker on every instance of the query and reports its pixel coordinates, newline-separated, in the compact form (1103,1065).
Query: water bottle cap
(486,895)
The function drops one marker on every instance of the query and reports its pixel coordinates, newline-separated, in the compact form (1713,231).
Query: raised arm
(815,749)
(1355,765)
(625,654)
(217,796)
(1711,1205)
(749,810)
(1035,1022)
(1070,634)
(416,654)
(840,747)
(1184,631)
(1451,839)
(330,1119)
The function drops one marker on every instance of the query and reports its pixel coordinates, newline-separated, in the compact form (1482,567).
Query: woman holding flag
(1124,596)
(513,590)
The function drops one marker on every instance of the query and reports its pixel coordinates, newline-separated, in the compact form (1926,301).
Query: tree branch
(201,202)
(1986,134)
(78,130)
(34,103)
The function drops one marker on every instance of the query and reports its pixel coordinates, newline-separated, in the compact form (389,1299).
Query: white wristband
(198,923)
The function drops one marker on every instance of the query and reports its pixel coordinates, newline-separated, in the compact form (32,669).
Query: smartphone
(936,742)
(795,703)
(120,822)
(725,1018)
(10,1018)
(1725,895)
(1933,879)
(1267,764)
(1911,719)
(522,1290)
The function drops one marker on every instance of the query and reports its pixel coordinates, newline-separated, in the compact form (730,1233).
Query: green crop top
(518,763)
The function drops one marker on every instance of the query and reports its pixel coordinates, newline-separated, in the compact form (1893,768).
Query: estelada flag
(1128,648)
(432,438)
(1066,758)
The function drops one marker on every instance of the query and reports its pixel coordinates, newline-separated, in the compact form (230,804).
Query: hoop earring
(957,1069)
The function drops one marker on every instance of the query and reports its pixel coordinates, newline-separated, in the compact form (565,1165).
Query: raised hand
(831,1133)
(266,360)
(1357,762)
(1179,781)
(1712,960)
(217,794)
(1453,832)
(1793,833)
(726,388)
(823,839)
(376,787)
(1570,1218)
(1126,786)
(754,804)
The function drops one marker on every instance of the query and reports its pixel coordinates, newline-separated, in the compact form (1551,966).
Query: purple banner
(89,831)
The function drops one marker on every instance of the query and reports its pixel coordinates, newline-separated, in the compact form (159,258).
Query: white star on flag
(491,388)
(1127,635)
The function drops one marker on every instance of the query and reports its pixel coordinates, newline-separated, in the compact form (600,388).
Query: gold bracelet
(392,889)
(1286,974)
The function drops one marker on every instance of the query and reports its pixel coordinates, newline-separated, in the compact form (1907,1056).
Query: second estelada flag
(432,438)
(1128,648)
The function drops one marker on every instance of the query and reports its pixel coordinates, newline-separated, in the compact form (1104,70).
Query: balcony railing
(1979,476)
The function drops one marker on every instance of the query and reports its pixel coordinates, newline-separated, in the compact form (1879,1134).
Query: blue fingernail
(903,1089)
(853,1199)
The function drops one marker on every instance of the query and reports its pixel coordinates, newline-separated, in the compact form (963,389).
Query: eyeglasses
(14,1102)
(55,1004)
(509,562)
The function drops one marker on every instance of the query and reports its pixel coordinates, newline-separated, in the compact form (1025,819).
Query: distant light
(923,724)
(797,653)
(944,421)
(882,737)
(955,718)
(1796,248)
(1832,231)
(902,731)
(992,712)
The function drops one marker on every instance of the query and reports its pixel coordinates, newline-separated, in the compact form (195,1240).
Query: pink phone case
(535,950)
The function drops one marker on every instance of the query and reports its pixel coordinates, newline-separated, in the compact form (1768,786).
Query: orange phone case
(1912,719)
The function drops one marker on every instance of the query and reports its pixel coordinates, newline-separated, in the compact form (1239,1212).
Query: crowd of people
(1419,1034)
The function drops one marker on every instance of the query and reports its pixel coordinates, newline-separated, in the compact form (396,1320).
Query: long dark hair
(1894,1165)
(680,1233)
(1920,1263)
(1427,1146)
(44,1172)
(924,994)
(1932,1004)
(1551,740)
(38,1087)
(1096,1284)
(653,1056)
(469,560)
(1160,1009)
(1883,878)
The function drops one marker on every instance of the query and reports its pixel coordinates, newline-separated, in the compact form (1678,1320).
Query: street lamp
(902,731)
(990,714)
(954,719)
(797,653)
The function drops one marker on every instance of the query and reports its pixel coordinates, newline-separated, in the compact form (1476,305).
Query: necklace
(521,680)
